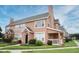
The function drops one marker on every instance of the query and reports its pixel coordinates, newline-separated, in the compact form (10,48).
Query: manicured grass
(0,38)
(78,40)
(66,44)
(4,51)
(3,44)
(70,44)
(31,47)
(71,50)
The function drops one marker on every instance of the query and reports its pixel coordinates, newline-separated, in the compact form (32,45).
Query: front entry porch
(56,38)
(27,35)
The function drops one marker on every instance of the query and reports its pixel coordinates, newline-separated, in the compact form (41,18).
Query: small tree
(1,33)
(0,29)
(9,36)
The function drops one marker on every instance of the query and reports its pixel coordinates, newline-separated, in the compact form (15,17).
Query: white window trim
(40,32)
(39,27)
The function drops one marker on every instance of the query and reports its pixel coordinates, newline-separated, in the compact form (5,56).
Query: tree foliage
(1,33)
(0,29)
(9,36)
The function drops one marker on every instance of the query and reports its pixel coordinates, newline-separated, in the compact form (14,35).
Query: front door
(26,38)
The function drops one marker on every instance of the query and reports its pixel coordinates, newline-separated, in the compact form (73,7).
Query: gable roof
(32,18)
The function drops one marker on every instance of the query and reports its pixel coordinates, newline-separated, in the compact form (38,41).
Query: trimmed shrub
(1,39)
(32,41)
(19,42)
(67,40)
(7,40)
(39,43)
(14,42)
(49,42)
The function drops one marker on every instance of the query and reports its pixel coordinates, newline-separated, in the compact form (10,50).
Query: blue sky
(68,15)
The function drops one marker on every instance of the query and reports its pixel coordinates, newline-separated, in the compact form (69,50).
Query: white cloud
(61,18)
(68,8)
(62,15)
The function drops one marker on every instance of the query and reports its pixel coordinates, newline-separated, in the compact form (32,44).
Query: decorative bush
(14,42)
(7,40)
(1,39)
(67,40)
(32,41)
(39,43)
(1,35)
(19,42)
(49,42)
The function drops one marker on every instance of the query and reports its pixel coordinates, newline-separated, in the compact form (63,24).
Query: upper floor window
(7,28)
(39,23)
(20,26)
(17,26)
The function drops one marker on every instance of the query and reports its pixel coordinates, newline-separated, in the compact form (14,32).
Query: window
(39,23)
(39,36)
(23,26)
(17,26)
(18,36)
(20,26)
(7,28)
(49,24)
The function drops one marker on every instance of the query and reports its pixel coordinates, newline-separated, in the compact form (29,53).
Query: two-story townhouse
(43,27)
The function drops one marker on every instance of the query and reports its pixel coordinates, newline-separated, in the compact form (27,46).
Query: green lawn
(66,44)
(0,38)
(70,44)
(4,51)
(78,40)
(71,50)
(3,44)
(31,47)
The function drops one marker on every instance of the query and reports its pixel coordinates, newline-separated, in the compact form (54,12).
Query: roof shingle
(36,17)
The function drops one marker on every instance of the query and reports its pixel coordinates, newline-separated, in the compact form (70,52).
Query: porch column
(59,37)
